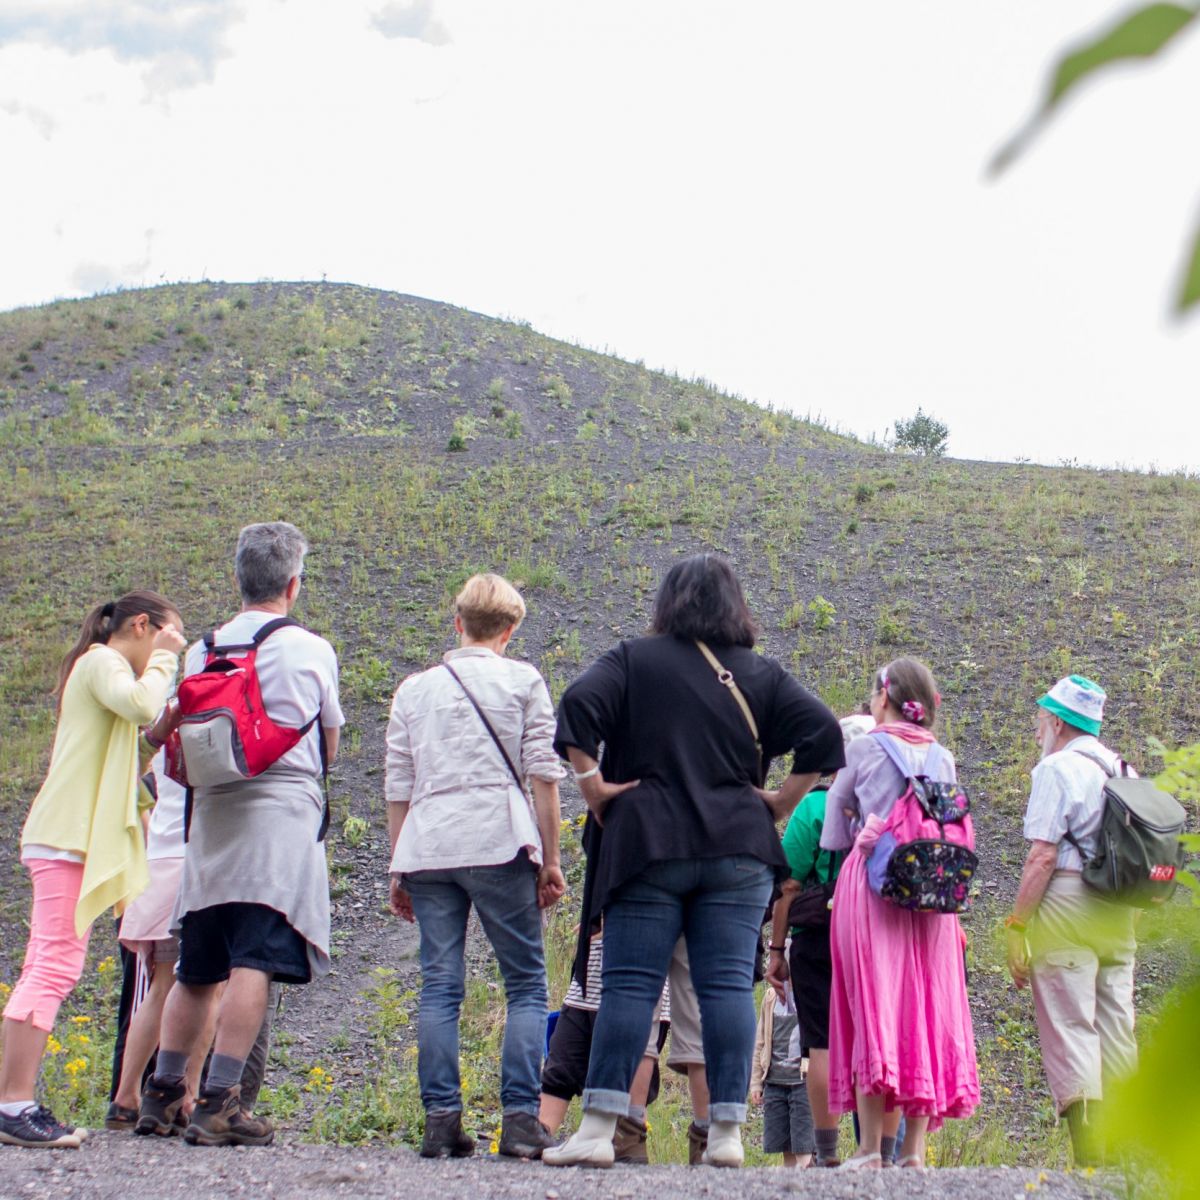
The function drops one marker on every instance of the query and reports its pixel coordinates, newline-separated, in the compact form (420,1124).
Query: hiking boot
(697,1144)
(524,1136)
(159,1111)
(119,1119)
(629,1142)
(218,1120)
(37,1127)
(444,1137)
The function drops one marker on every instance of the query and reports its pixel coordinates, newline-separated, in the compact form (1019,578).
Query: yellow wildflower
(81,1020)
(75,1066)
(494,1148)
(53,1045)
(106,966)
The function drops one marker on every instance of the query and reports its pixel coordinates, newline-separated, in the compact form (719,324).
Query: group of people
(670,738)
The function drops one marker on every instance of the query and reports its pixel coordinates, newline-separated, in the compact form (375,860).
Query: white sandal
(580,1152)
(912,1160)
(861,1161)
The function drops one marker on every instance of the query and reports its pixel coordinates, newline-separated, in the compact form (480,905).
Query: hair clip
(913,710)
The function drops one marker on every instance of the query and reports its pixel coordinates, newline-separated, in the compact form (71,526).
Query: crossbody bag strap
(487,725)
(726,677)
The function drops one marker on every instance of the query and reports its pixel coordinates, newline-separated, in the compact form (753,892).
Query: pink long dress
(899,1020)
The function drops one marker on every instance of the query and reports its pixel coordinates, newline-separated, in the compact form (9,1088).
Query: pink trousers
(54,957)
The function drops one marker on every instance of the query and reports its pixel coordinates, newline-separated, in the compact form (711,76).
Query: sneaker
(444,1137)
(119,1119)
(37,1127)
(523,1136)
(159,1111)
(725,1151)
(697,1144)
(580,1152)
(629,1142)
(218,1120)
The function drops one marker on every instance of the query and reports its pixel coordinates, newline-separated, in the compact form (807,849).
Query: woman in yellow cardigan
(83,841)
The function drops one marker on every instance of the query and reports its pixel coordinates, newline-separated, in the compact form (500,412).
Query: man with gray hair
(253,903)
(1073,945)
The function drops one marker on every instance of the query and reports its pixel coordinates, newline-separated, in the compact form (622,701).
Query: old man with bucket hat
(1071,944)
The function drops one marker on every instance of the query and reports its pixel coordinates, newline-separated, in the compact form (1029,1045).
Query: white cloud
(178,41)
(411,19)
(39,118)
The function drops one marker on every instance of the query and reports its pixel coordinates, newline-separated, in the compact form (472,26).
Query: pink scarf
(906,731)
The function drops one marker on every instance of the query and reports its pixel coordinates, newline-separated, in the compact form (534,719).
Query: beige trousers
(1082,955)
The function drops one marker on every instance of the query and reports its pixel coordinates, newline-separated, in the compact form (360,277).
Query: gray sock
(700,1124)
(171,1066)
(887,1148)
(638,1112)
(827,1142)
(224,1071)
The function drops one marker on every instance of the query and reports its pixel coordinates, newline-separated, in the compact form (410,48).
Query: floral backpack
(925,858)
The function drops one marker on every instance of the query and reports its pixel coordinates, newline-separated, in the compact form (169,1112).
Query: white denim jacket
(465,809)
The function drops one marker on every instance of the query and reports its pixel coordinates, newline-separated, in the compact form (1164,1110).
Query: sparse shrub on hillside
(890,628)
(823,613)
(462,432)
(495,389)
(922,434)
(512,425)
(557,388)
(587,431)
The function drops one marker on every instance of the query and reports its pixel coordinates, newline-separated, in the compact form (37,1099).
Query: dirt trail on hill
(108,1163)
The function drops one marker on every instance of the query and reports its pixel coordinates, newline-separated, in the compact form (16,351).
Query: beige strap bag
(726,677)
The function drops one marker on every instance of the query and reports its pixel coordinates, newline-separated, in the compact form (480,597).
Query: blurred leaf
(1141,34)
(1155,1114)
(1189,293)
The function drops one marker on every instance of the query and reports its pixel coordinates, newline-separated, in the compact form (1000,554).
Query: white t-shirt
(165,839)
(297,675)
(1068,797)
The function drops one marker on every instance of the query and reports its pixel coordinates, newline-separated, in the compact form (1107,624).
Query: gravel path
(108,1165)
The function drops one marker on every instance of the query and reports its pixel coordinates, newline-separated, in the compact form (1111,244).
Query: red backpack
(225,734)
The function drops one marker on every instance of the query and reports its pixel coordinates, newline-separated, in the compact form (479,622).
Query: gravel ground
(108,1163)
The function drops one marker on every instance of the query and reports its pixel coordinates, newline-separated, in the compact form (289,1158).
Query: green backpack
(1139,856)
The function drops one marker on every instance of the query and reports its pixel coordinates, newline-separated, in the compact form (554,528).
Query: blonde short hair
(488,605)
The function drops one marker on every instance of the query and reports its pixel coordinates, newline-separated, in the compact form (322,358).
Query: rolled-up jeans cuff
(602,1100)
(531,1109)
(727,1112)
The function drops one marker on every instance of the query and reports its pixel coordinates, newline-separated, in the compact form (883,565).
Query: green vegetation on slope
(139,431)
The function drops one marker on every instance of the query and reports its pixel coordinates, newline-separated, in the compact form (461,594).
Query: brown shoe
(159,1111)
(218,1120)
(629,1142)
(444,1137)
(697,1144)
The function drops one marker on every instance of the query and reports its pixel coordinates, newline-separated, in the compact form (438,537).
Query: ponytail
(106,619)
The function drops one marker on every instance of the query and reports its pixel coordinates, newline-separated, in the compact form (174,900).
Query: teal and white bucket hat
(1078,701)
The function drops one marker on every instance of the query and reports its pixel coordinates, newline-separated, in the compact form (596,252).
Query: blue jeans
(717,904)
(506,899)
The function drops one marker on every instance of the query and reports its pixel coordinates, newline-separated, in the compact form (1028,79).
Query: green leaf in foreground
(1189,291)
(1141,34)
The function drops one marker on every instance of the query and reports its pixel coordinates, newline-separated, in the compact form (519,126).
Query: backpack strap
(726,677)
(1109,773)
(487,725)
(326,815)
(936,752)
(265,630)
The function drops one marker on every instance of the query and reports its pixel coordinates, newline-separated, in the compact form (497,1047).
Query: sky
(785,198)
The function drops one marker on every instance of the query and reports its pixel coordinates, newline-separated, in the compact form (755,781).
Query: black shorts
(212,941)
(811,965)
(564,1073)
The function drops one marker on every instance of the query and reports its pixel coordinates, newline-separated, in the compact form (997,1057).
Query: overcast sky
(786,198)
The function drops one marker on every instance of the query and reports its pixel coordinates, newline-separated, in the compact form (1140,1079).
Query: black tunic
(663,717)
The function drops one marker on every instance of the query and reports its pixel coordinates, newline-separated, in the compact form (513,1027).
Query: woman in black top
(681,837)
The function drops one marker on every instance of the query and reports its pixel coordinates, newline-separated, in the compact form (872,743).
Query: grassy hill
(414,442)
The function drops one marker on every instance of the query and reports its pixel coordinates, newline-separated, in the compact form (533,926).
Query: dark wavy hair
(700,597)
(106,619)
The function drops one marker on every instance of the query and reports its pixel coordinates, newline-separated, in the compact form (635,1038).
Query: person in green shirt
(809,963)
